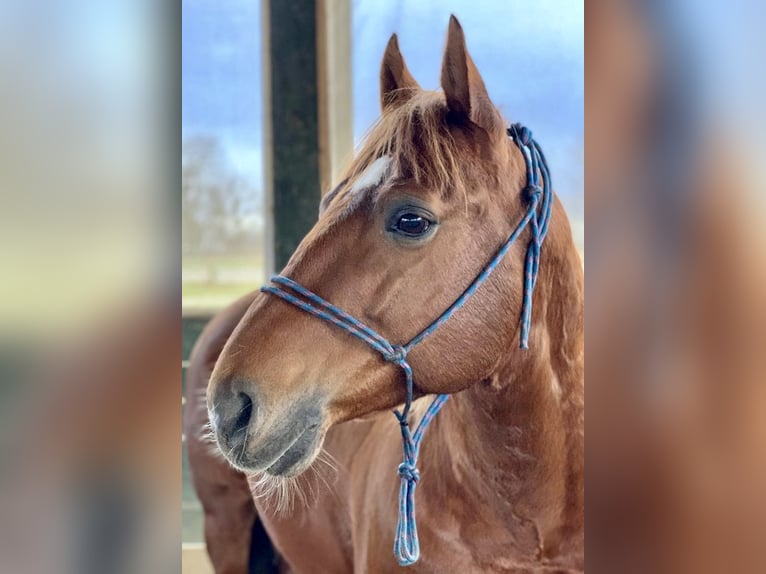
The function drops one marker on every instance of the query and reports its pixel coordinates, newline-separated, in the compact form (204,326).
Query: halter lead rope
(406,546)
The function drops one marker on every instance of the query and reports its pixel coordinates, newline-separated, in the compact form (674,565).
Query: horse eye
(412,225)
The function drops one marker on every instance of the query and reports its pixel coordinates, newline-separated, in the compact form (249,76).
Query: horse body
(223,491)
(422,209)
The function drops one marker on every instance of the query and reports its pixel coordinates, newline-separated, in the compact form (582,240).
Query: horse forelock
(419,138)
(419,147)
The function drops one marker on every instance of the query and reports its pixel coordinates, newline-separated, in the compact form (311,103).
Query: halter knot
(521,134)
(396,355)
(408,472)
(533,192)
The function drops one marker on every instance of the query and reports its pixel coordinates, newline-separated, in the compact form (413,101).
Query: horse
(433,192)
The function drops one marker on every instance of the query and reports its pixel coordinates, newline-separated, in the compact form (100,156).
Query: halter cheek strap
(539,198)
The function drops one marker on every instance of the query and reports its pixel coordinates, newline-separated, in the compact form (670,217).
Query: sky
(530,55)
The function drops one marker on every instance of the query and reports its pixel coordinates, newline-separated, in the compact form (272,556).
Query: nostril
(245,413)
(232,414)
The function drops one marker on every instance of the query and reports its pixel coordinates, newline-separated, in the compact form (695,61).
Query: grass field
(209,283)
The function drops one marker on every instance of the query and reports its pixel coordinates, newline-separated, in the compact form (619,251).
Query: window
(222,178)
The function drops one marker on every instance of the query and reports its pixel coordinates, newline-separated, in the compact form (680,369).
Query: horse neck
(514,441)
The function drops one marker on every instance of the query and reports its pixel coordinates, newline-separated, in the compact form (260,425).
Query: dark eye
(412,224)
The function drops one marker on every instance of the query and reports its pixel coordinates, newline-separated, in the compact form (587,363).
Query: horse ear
(466,94)
(396,83)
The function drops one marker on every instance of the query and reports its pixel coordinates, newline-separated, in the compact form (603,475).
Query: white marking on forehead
(373,175)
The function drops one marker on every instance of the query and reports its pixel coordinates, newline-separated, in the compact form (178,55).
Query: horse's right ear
(464,90)
(396,83)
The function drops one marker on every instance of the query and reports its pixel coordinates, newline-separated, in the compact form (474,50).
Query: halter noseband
(406,546)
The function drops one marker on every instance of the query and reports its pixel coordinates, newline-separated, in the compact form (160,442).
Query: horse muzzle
(280,440)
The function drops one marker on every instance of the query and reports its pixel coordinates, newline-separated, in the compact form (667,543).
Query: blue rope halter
(406,546)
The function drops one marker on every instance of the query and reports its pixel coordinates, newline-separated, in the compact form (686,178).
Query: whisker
(282,495)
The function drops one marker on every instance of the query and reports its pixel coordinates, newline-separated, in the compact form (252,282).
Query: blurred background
(114,258)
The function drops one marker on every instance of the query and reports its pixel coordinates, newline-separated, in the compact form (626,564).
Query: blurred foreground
(90,339)
(676,437)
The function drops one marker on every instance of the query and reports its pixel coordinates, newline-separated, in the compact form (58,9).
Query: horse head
(433,192)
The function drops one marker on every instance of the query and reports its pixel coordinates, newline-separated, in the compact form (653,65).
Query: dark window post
(291,127)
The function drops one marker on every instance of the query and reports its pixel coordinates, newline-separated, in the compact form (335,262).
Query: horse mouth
(298,453)
(283,456)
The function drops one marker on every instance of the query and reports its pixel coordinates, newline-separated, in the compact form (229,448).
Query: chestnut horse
(434,191)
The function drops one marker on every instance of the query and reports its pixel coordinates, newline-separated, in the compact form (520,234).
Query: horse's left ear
(466,94)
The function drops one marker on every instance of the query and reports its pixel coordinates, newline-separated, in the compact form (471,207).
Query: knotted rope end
(406,561)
